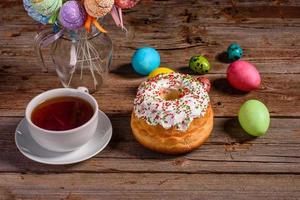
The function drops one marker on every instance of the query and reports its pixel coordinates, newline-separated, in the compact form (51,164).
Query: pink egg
(243,75)
(126,4)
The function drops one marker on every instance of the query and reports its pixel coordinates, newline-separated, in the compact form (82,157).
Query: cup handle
(83,89)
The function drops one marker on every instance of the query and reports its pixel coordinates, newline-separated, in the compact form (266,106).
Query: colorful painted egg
(46,7)
(145,60)
(160,70)
(205,82)
(72,15)
(234,52)
(254,117)
(199,64)
(126,4)
(34,14)
(243,76)
(98,8)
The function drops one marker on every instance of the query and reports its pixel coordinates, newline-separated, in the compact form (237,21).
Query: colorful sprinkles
(180,112)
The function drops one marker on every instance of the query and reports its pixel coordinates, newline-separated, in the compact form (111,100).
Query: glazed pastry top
(171,100)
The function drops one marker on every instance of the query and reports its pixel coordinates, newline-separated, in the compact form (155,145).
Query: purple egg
(72,15)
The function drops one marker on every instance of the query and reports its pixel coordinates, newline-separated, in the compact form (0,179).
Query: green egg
(199,64)
(254,117)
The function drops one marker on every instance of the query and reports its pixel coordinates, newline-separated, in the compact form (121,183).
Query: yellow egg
(160,70)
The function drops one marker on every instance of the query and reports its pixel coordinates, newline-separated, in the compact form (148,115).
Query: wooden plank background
(231,165)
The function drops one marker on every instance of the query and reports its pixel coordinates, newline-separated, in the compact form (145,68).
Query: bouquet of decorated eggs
(76,14)
(77,20)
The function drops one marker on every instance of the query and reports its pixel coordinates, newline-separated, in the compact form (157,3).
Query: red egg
(205,82)
(243,75)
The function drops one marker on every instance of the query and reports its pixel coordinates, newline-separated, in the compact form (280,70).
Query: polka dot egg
(234,52)
(199,64)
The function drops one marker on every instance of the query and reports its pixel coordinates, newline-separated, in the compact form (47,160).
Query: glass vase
(81,59)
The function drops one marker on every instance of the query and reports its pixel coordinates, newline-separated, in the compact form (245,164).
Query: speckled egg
(199,64)
(234,51)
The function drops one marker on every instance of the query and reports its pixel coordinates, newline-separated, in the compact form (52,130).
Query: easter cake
(172,113)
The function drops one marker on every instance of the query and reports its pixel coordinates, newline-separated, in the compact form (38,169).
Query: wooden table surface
(230,165)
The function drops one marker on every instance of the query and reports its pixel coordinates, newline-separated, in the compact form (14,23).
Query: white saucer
(29,148)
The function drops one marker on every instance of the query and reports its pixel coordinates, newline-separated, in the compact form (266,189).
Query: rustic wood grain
(229,150)
(281,93)
(269,33)
(149,186)
(231,165)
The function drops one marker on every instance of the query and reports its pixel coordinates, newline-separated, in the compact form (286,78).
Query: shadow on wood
(223,86)
(125,71)
(234,130)
(222,57)
(23,164)
(186,70)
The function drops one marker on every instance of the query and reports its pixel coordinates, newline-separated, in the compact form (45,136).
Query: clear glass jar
(80,58)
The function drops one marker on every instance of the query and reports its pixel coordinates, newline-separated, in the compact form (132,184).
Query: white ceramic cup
(63,141)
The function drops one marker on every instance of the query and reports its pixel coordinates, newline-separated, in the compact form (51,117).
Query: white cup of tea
(63,140)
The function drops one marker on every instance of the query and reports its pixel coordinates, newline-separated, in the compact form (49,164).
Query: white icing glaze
(178,113)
